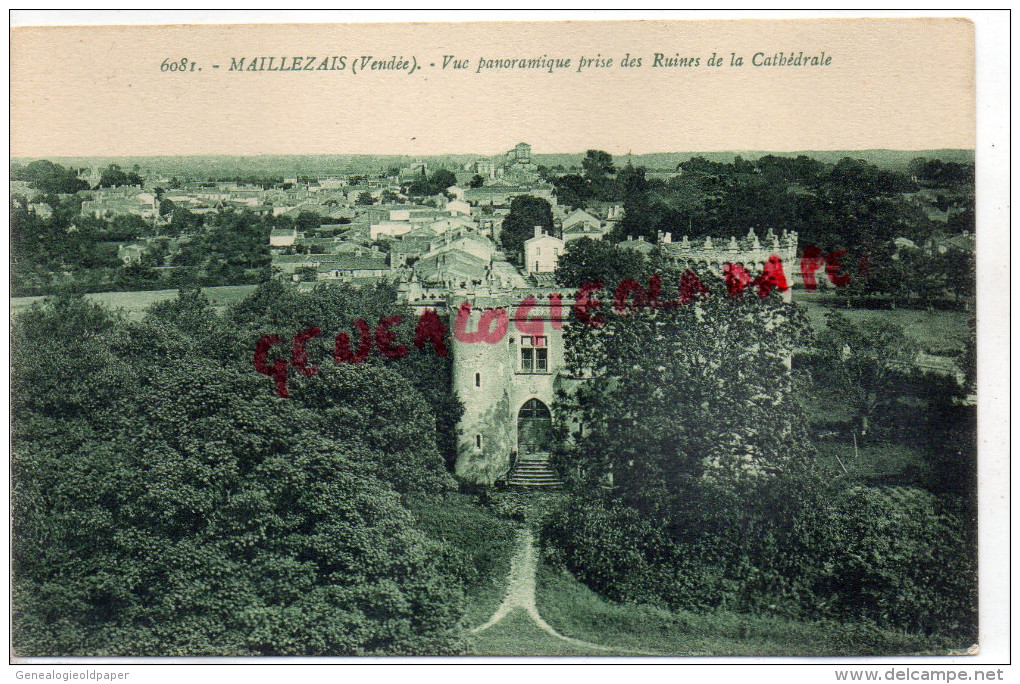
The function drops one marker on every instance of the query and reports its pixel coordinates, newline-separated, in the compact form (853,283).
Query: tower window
(478,441)
(534,354)
(478,379)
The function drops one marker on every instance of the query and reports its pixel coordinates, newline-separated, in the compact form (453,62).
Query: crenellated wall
(750,252)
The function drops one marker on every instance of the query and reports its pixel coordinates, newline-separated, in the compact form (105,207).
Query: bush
(885,556)
(509,506)
(892,556)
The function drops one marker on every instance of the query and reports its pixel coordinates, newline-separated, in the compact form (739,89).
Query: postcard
(634,340)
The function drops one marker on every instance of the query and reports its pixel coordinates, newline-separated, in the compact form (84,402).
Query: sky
(101,91)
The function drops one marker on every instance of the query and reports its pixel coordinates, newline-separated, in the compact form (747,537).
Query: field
(134,304)
(938,329)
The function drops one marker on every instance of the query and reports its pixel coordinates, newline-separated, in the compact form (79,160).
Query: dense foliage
(801,548)
(69,252)
(695,483)
(166,502)
(851,205)
(586,260)
(434,184)
(677,392)
(526,212)
(49,178)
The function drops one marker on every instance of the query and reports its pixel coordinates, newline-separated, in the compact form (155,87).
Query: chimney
(667,238)
(538,231)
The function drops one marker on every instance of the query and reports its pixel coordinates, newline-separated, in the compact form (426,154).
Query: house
(350,267)
(409,248)
(108,204)
(902,243)
(581,224)
(346,266)
(450,224)
(542,252)
(389,229)
(499,195)
(964,242)
(520,154)
(452,268)
(41,209)
(458,206)
(279,237)
(471,243)
(580,221)
(132,252)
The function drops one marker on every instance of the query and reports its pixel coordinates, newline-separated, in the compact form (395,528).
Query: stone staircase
(533,471)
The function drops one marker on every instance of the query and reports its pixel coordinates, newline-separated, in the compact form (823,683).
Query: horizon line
(497,154)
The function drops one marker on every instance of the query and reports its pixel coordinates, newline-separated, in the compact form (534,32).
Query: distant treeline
(326,165)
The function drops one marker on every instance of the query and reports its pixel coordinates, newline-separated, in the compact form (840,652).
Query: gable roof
(580,216)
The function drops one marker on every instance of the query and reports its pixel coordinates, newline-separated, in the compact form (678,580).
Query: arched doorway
(534,428)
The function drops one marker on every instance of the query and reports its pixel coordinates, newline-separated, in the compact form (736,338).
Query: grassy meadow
(939,329)
(134,303)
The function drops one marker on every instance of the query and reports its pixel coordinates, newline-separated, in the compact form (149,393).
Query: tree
(113,176)
(573,190)
(442,179)
(185,221)
(307,221)
(960,271)
(638,219)
(597,165)
(586,260)
(334,308)
(228,522)
(366,198)
(923,276)
(598,171)
(476,181)
(49,178)
(306,274)
(526,212)
(677,393)
(435,184)
(867,361)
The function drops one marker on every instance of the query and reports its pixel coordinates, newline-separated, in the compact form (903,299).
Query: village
(436,235)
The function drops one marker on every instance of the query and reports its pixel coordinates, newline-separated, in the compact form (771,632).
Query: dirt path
(521,595)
